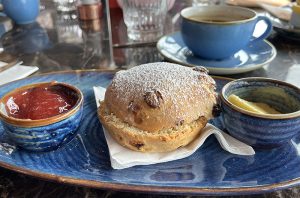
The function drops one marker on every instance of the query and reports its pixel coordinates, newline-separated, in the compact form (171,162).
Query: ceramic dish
(209,171)
(48,133)
(262,130)
(252,57)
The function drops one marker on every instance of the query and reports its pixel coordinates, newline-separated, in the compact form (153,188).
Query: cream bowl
(262,130)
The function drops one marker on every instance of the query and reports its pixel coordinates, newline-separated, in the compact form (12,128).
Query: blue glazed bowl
(44,134)
(218,32)
(262,130)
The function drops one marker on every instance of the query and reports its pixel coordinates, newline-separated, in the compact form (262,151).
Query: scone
(158,107)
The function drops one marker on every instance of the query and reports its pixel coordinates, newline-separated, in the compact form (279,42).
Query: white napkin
(16,72)
(121,157)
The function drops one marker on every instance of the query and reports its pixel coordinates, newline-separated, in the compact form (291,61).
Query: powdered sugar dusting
(175,83)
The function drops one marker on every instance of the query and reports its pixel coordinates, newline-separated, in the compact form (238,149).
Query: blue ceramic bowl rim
(221,7)
(264,116)
(28,123)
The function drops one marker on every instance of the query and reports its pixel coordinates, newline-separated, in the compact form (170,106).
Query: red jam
(41,102)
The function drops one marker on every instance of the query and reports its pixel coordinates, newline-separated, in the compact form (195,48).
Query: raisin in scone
(158,107)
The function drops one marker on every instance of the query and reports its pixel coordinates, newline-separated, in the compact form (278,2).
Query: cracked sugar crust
(178,93)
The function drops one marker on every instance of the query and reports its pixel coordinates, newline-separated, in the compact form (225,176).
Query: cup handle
(267,31)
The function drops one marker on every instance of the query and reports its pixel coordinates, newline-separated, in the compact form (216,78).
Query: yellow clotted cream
(255,107)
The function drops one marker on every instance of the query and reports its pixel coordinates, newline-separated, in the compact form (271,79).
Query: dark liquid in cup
(217,19)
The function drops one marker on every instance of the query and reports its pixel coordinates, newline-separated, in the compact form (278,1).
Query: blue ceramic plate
(210,171)
(254,56)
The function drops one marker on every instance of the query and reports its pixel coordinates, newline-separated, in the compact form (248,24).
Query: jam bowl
(42,116)
(262,130)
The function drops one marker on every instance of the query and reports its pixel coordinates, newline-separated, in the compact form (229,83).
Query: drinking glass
(144,18)
(65,5)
